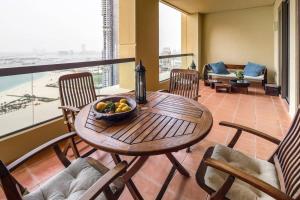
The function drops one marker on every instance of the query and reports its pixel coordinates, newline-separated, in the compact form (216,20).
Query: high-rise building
(110,14)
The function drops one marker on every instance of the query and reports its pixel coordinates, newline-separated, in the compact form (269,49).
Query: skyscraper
(109,13)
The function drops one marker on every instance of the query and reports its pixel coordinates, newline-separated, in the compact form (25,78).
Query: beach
(38,111)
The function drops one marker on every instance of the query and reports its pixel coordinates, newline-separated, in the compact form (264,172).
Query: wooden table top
(167,123)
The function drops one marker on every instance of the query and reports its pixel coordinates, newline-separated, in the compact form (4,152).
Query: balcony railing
(29,95)
(169,62)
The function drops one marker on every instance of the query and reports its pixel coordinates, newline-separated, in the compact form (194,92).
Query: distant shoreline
(9,82)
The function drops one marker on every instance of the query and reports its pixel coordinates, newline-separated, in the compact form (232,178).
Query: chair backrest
(288,154)
(77,89)
(184,82)
(10,186)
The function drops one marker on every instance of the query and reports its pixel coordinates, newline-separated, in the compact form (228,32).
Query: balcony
(265,113)
(235,33)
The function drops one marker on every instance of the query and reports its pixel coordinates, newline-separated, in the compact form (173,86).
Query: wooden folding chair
(185,83)
(228,174)
(82,179)
(76,91)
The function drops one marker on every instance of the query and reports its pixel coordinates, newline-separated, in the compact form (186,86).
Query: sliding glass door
(284,26)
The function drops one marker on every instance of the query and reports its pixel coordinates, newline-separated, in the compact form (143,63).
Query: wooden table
(166,124)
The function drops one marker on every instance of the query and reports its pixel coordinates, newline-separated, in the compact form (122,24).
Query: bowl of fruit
(114,108)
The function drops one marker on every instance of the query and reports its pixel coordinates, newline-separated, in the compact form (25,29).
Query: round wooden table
(166,124)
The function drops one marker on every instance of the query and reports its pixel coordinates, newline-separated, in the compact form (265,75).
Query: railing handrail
(60,66)
(10,71)
(176,55)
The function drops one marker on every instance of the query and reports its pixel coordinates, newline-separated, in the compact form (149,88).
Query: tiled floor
(265,113)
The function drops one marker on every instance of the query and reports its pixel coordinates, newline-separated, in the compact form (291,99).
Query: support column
(139,38)
(191,37)
(147,39)
(127,43)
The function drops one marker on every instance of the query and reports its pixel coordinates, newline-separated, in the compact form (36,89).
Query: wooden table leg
(127,177)
(116,158)
(166,183)
(177,164)
(133,190)
(139,163)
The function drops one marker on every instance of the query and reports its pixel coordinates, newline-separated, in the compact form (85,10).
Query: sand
(38,111)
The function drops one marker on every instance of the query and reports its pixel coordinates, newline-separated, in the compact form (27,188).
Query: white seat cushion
(240,190)
(69,184)
(232,75)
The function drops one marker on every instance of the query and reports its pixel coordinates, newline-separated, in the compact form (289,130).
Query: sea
(8,82)
(8,60)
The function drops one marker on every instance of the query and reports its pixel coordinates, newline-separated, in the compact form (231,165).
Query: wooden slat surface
(166,123)
(179,106)
(145,127)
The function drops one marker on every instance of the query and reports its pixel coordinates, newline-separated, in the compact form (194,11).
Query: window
(50,32)
(169,39)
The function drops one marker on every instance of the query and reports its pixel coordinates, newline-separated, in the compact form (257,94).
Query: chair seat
(240,190)
(232,75)
(71,183)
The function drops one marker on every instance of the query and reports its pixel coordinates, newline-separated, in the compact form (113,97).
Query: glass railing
(30,95)
(169,62)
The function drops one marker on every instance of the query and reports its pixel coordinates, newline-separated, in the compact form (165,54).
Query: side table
(213,82)
(272,89)
(220,87)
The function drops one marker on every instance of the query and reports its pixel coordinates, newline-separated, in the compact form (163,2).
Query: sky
(54,25)
(169,28)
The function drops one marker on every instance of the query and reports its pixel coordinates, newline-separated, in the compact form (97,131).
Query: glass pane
(29,99)
(16,103)
(49,32)
(55,31)
(166,65)
(169,39)
(46,96)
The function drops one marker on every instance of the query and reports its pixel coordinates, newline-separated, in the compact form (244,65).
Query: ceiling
(210,6)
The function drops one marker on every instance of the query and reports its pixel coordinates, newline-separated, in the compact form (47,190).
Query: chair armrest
(101,95)
(251,130)
(247,178)
(70,108)
(12,166)
(196,97)
(104,181)
(165,91)
(105,95)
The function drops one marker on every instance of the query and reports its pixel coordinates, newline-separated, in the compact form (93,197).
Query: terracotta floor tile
(126,195)
(45,169)
(217,136)
(25,177)
(147,187)
(246,146)
(103,157)
(264,149)
(156,169)
(245,122)
(2,197)
(186,188)
(193,159)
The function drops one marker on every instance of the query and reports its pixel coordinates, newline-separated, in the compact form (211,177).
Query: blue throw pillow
(253,69)
(219,68)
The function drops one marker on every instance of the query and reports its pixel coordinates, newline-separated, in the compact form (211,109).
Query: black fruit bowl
(114,116)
